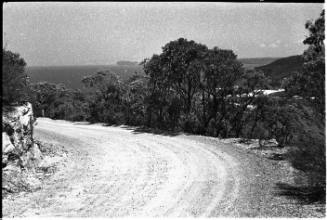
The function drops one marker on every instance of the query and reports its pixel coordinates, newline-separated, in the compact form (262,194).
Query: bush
(308,144)
(14,79)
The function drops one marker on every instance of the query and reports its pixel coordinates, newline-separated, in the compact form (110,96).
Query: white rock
(20,121)
(11,168)
(33,182)
(35,150)
(25,120)
(7,146)
(4,159)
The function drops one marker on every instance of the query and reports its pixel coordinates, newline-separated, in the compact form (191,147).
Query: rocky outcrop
(25,162)
(19,152)
(17,136)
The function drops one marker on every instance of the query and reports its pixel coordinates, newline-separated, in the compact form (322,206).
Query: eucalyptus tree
(182,63)
(105,97)
(220,78)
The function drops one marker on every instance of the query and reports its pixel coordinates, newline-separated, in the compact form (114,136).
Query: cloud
(275,44)
(262,45)
(300,41)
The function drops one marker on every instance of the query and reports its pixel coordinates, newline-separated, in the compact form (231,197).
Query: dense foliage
(57,102)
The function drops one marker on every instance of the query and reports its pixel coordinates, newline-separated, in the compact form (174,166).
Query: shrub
(14,79)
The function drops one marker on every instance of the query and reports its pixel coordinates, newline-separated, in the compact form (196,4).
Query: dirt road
(114,171)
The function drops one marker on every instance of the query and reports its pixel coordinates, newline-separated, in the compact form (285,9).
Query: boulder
(17,136)
(18,124)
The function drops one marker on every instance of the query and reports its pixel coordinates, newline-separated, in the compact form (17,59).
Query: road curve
(115,171)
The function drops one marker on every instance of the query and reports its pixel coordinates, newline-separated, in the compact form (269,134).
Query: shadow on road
(135,129)
(305,195)
(140,130)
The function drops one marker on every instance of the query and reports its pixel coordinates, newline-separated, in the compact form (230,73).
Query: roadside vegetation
(192,88)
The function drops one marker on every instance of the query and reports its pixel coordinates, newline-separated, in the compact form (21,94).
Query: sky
(85,33)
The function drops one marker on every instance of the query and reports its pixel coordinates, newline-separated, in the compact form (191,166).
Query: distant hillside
(282,68)
(251,63)
(71,76)
(126,63)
